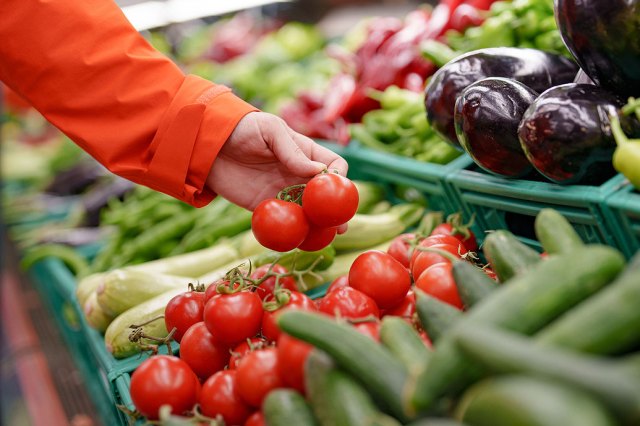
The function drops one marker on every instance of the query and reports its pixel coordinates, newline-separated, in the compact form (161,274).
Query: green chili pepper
(626,158)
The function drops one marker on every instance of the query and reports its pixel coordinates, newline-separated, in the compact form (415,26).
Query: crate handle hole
(521,225)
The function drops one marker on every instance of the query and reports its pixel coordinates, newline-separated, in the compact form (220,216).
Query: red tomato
(425,338)
(231,318)
(220,396)
(440,239)
(164,380)
(258,375)
(400,248)
(491,273)
(437,281)
(348,302)
(297,300)
(183,311)
(342,281)
(202,352)
(256,419)
(425,259)
(240,350)
(212,289)
(371,329)
(267,286)
(292,355)
(381,277)
(330,200)
(318,238)
(406,309)
(447,229)
(279,225)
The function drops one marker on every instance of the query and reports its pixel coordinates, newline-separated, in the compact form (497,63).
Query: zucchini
(336,398)
(529,401)
(286,407)
(404,342)
(526,304)
(435,421)
(555,233)
(117,334)
(472,283)
(94,314)
(436,317)
(369,194)
(368,361)
(510,353)
(607,323)
(366,231)
(123,289)
(87,286)
(507,256)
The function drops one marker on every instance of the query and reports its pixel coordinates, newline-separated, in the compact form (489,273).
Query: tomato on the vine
(347,302)
(258,375)
(437,281)
(369,328)
(256,419)
(425,259)
(461,232)
(219,397)
(341,281)
(381,277)
(266,287)
(292,355)
(183,311)
(231,318)
(318,238)
(163,380)
(202,352)
(279,225)
(406,309)
(330,200)
(400,248)
(241,349)
(297,300)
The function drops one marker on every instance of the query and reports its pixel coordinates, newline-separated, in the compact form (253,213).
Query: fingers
(342,228)
(316,152)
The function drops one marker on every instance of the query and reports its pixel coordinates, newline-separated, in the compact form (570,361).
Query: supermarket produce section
(488,275)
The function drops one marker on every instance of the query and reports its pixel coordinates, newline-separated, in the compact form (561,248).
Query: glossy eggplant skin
(536,69)
(604,38)
(566,133)
(487,115)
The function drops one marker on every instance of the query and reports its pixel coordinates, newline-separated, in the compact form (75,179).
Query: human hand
(262,156)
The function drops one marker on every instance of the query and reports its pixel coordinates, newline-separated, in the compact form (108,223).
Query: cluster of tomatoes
(305,216)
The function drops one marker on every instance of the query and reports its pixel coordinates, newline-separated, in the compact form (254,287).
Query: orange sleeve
(91,74)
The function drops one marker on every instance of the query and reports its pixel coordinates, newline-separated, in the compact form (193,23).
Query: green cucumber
(529,401)
(510,353)
(526,304)
(369,194)
(122,289)
(368,361)
(435,421)
(94,314)
(117,334)
(404,342)
(472,283)
(336,398)
(436,317)
(555,233)
(507,256)
(286,407)
(607,323)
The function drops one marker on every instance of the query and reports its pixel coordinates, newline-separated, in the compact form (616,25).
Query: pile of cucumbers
(554,343)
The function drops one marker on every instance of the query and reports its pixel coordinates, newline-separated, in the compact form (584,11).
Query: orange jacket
(90,73)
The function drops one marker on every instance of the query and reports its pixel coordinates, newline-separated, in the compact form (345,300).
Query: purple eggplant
(604,38)
(487,116)
(534,68)
(566,133)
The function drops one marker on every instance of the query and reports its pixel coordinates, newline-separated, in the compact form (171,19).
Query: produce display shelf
(499,203)
(428,178)
(622,210)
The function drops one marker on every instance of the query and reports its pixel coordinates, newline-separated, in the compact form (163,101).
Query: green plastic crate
(500,203)
(428,178)
(622,210)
